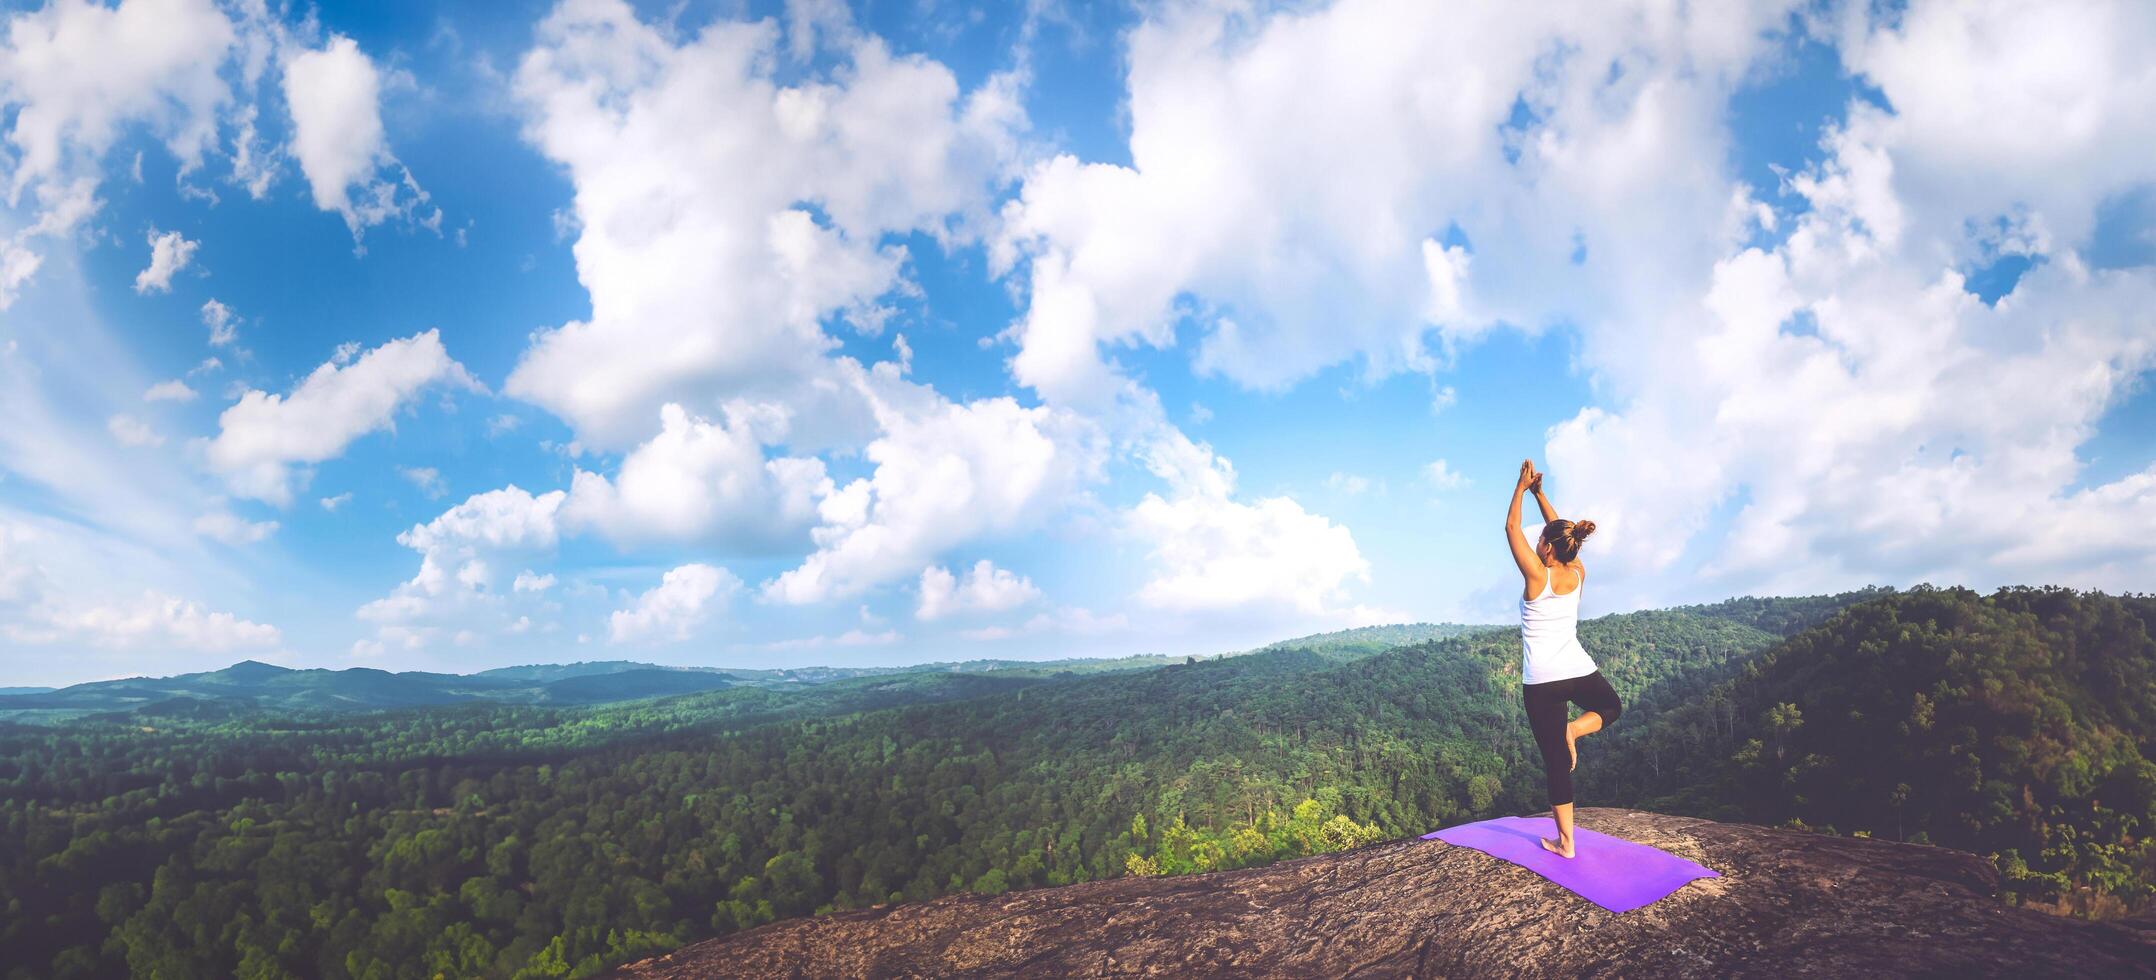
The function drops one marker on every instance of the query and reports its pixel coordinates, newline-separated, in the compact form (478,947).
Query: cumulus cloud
(459,553)
(263,436)
(426,478)
(671,610)
(36,611)
(1441,476)
(945,473)
(152,620)
(223,324)
(174,390)
(169,253)
(526,581)
(1292,174)
(984,588)
(1385,182)
(73,77)
(497,520)
(334,95)
(131,431)
(704,480)
(1842,393)
(696,171)
(1211,552)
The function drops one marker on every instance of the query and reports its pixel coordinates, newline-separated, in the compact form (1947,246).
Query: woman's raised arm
(1523,554)
(1534,486)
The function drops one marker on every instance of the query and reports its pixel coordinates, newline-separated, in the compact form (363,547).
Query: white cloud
(1877,444)
(1348,483)
(497,520)
(224,327)
(528,582)
(674,608)
(131,431)
(1441,476)
(224,526)
(700,480)
(36,611)
(387,638)
(709,278)
(426,478)
(945,473)
(1296,177)
(1293,171)
(1212,553)
(332,503)
(73,77)
(983,589)
(263,435)
(151,621)
(169,253)
(459,551)
(334,95)
(174,390)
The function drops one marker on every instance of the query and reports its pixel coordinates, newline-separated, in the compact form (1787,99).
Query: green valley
(215,836)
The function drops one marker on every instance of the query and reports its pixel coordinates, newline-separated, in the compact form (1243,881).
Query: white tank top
(1549,634)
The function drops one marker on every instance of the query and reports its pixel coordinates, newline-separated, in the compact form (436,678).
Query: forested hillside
(1364,640)
(535,841)
(2016,725)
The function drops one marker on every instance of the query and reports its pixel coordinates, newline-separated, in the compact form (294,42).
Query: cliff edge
(1788,903)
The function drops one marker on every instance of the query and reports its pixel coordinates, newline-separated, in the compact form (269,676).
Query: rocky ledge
(1788,903)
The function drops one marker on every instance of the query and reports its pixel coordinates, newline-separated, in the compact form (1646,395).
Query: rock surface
(1788,903)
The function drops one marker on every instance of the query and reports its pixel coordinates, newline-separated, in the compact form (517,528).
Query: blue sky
(760,335)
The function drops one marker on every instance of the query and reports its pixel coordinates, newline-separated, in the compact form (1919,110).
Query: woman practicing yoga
(1555,668)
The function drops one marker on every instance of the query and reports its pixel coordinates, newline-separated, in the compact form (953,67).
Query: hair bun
(1581,529)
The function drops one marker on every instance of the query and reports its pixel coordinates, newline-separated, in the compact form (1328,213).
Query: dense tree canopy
(551,841)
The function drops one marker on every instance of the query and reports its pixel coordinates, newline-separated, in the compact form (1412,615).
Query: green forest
(192,838)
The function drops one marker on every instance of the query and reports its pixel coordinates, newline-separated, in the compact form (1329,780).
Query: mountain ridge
(256,684)
(521,839)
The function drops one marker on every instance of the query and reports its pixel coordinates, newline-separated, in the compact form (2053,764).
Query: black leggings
(1546,718)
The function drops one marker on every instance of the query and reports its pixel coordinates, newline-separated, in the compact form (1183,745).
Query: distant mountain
(1786,615)
(629,685)
(252,685)
(528,834)
(543,673)
(1366,640)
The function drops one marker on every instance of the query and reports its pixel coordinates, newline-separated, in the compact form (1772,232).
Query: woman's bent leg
(1593,693)
(1546,710)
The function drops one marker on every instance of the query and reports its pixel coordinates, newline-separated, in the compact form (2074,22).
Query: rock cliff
(1788,903)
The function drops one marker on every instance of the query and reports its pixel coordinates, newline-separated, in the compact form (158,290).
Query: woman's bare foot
(1572,745)
(1559,848)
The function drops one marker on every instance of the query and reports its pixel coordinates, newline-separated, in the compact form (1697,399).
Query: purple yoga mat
(1616,874)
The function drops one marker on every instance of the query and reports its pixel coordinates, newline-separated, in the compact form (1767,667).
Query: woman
(1556,669)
